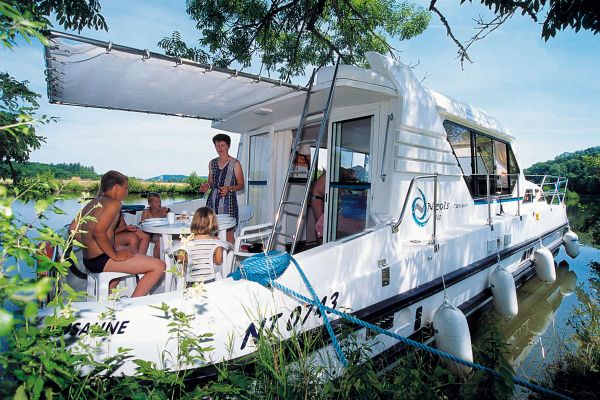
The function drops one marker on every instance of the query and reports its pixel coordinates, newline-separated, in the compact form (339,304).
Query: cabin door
(349,182)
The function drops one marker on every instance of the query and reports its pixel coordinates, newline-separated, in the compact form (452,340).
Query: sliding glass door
(349,177)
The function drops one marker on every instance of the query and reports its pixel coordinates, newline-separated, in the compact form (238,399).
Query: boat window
(480,155)
(460,138)
(349,183)
(528,197)
(258,177)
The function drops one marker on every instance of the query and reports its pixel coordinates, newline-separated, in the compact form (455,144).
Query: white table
(180,228)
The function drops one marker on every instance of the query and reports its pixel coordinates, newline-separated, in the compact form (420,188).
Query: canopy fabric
(92,73)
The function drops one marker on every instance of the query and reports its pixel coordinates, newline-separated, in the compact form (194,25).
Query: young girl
(204,226)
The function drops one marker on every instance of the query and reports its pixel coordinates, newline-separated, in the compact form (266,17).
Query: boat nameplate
(385,272)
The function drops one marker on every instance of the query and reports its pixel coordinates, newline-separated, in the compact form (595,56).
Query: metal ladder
(284,204)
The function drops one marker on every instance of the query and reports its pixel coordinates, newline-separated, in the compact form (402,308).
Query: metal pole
(435,203)
(487,179)
(518,197)
(387,128)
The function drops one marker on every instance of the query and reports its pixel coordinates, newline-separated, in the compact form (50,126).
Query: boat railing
(497,196)
(435,177)
(490,198)
(554,188)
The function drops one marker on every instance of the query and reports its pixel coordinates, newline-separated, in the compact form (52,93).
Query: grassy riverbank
(48,185)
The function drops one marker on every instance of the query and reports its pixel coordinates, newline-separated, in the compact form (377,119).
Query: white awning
(92,73)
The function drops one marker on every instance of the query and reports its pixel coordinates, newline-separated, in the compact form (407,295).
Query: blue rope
(265,268)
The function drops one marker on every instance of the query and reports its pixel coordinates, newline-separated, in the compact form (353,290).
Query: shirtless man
(100,254)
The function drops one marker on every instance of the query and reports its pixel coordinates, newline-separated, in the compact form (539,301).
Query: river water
(535,336)
(540,332)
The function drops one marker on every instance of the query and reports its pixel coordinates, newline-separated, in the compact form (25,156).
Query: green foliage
(489,351)
(16,21)
(289,36)
(58,171)
(70,14)
(581,168)
(559,14)
(17,133)
(194,182)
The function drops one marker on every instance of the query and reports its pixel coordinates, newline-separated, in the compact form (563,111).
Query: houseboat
(424,198)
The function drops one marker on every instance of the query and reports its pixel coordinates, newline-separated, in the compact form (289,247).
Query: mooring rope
(265,268)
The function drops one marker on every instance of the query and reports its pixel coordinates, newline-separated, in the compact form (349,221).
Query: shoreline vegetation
(74,179)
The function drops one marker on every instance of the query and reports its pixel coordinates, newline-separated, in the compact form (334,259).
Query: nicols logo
(420,211)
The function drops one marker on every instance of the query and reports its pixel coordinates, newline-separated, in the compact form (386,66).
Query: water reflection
(538,303)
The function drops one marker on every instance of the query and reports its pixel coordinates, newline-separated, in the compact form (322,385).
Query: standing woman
(225,177)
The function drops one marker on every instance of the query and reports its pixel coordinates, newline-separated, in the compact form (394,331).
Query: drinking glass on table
(185,218)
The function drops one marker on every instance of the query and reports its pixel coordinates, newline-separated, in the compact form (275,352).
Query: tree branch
(462,52)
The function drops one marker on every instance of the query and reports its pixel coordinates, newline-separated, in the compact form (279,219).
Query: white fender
(504,292)
(571,242)
(452,335)
(544,264)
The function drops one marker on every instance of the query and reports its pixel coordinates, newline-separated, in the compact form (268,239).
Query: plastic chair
(245,213)
(197,265)
(249,235)
(97,284)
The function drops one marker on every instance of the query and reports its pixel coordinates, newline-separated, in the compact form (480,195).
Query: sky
(546,93)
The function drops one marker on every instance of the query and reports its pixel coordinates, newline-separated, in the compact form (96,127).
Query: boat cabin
(382,130)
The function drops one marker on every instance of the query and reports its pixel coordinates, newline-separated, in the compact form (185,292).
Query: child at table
(205,226)
(154,210)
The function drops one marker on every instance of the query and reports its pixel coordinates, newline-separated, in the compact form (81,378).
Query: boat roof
(353,86)
(92,73)
(470,116)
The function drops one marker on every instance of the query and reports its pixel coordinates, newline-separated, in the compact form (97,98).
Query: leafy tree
(582,168)
(288,36)
(17,133)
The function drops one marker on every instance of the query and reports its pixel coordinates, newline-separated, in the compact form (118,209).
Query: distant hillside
(168,178)
(60,171)
(581,167)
